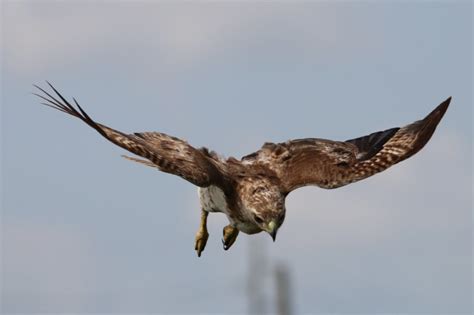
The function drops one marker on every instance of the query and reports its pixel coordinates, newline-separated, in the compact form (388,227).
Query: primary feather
(167,153)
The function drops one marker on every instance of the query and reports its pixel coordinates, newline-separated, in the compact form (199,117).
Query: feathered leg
(202,235)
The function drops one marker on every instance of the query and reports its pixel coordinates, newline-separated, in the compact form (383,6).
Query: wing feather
(167,153)
(404,143)
(332,164)
(141,161)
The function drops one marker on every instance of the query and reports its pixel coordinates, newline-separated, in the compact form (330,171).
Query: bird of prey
(251,191)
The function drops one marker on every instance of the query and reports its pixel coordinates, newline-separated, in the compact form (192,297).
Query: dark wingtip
(62,104)
(444,105)
(439,111)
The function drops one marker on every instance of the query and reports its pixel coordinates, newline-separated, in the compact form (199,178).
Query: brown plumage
(332,164)
(252,191)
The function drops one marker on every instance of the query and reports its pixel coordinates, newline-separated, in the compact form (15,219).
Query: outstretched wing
(332,164)
(168,154)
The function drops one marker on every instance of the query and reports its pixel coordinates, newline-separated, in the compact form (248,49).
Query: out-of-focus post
(256,277)
(283,290)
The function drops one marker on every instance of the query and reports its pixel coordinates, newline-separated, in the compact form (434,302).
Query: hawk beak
(272,229)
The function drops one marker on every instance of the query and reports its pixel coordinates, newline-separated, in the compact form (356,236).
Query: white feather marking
(248,162)
(212,199)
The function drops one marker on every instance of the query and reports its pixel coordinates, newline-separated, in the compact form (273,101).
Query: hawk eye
(258,219)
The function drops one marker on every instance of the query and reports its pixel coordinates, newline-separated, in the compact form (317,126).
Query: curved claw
(225,246)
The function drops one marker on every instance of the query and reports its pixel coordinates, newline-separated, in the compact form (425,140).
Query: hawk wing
(332,164)
(167,153)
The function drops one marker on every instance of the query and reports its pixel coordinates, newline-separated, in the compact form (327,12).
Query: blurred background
(85,231)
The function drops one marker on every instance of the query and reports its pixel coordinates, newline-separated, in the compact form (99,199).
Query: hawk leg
(202,235)
(230,235)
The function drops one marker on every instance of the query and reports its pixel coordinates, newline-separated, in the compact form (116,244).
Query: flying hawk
(251,191)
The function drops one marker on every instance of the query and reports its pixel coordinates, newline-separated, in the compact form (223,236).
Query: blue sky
(86,231)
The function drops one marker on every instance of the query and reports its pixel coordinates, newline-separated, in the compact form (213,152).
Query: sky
(86,231)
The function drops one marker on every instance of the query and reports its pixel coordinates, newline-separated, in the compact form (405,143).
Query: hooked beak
(272,229)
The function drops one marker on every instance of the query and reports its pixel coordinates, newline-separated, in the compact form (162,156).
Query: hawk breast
(212,199)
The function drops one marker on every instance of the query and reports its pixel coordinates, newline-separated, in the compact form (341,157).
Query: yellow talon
(202,235)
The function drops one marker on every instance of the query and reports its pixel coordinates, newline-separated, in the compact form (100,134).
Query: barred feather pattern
(167,153)
(289,165)
(331,164)
(406,142)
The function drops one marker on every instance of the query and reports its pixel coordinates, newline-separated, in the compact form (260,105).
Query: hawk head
(263,203)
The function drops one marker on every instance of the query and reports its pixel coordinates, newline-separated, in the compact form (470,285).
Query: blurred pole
(283,290)
(256,277)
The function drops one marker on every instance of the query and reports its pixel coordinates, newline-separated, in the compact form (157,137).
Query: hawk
(251,191)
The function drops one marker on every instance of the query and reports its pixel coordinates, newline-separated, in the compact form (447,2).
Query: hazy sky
(86,231)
